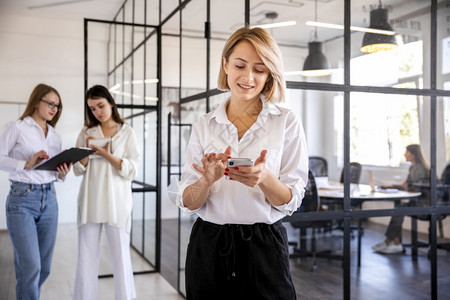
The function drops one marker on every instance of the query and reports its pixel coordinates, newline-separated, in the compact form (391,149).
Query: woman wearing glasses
(31,206)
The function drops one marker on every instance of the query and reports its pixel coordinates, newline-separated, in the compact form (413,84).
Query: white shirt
(278,131)
(105,193)
(20,140)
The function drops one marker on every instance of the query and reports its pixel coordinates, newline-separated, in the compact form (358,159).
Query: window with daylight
(382,125)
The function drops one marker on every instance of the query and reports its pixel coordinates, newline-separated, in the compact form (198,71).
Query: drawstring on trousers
(229,250)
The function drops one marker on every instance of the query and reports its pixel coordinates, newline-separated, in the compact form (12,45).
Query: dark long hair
(419,158)
(36,95)
(98,92)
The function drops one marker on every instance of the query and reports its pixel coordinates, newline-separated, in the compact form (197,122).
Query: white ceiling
(227,15)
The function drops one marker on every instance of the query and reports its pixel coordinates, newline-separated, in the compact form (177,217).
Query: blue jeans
(32,219)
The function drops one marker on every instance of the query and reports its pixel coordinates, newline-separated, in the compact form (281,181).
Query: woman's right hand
(36,159)
(213,165)
(195,195)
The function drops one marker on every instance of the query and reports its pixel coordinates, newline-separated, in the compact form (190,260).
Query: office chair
(310,203)
(443,198)
(318,166)
(355,175)
(355,172)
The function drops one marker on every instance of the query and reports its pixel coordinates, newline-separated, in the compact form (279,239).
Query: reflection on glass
(387,68)
(138,79)
(444,113)
(402,53)
(151,80)
(443,45)
(193,51)
(149,135)
(150,227)
(136,226)
(186,223)
(382,125)
(379,269)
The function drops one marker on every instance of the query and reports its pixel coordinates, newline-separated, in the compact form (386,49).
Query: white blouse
(278,131)
(105,193)
(19,141)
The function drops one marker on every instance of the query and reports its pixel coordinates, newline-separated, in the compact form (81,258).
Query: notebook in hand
(100,143)
(67,156)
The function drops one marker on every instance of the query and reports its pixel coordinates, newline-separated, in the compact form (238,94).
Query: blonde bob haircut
(267,49)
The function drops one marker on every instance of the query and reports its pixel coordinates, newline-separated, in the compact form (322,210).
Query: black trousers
(238,262)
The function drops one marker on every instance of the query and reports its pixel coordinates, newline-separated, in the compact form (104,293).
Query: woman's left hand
(250,176)
(102,151)
(63,170)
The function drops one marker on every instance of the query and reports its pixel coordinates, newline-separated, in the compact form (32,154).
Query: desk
(333,192)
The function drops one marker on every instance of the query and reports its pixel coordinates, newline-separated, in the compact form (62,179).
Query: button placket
(233,137)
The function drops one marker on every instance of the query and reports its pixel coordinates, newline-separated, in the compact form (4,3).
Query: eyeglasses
(51,105)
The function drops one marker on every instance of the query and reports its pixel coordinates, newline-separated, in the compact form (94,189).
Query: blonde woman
(31,206)
(238,245)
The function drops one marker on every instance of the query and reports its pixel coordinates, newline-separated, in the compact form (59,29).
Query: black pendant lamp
(316,64)
(373,42)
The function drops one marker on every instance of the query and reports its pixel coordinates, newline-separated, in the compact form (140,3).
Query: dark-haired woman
(105,198)
(31,206)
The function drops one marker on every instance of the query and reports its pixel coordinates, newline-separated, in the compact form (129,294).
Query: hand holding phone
(235,162)
(239,162)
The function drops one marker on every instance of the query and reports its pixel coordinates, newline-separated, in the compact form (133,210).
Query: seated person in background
(419,171)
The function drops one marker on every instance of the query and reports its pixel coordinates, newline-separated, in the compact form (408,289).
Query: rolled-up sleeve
(8,138)
(294,165)
(131,160)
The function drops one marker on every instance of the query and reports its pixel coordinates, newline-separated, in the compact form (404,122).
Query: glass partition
(221,28)
(149,226)
(98,46)
(193,50)
(393,271)
(185,225)
(167,7)
(360,120)
(131,74)
(382,128)
(443,45)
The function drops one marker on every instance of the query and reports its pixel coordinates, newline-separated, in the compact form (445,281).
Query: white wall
(35,50)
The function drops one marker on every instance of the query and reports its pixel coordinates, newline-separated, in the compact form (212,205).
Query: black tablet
(67,156)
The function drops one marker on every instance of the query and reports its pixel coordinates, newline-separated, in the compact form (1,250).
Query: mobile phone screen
(235,162)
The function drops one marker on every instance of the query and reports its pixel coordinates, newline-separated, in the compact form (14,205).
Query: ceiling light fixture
(373,42)
(316,64)
(272,16)
(274,25)
(354,28)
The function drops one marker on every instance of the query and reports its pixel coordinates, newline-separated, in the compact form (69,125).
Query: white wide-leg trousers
(86,280)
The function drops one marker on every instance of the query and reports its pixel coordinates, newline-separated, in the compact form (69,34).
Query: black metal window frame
(138,186)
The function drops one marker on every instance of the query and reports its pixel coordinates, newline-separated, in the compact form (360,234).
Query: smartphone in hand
(238,162)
